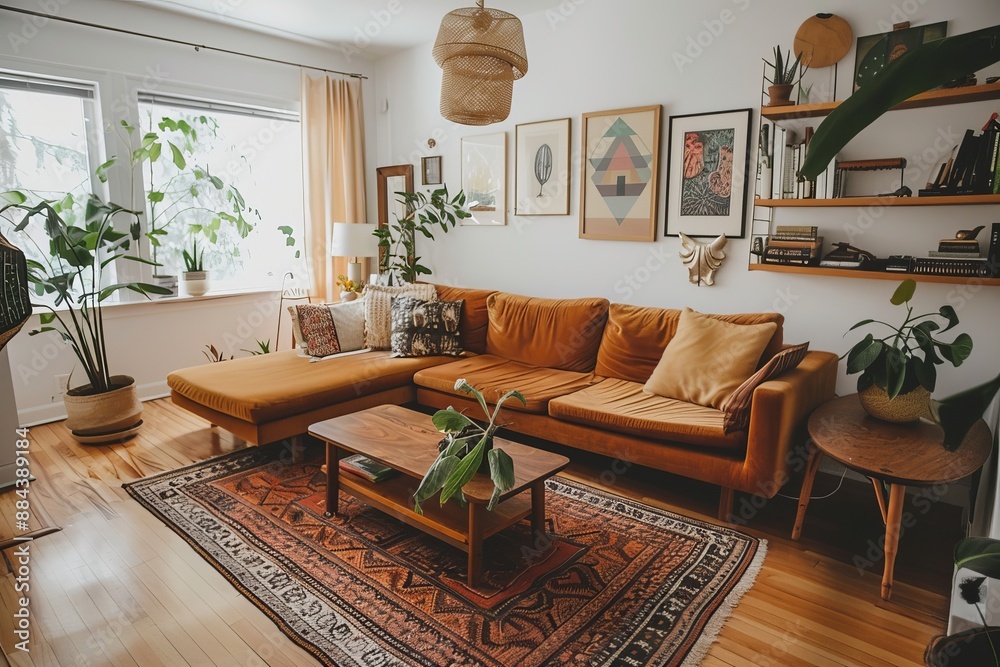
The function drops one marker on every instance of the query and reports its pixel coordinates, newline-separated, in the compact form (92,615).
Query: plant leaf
(920,69)
(864,354)
(958,351)
(502,474)
(958,412)
(948,313)
(450,420)
(437,474)
(904,292)
(979,554)
(464,472)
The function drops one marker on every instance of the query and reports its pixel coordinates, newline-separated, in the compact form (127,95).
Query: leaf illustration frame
(707,185)
(542,167)
(484,178)
(619,202)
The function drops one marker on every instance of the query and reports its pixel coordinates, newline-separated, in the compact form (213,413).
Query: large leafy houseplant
(74,271)
(908,356)
(466,446)
(397,240)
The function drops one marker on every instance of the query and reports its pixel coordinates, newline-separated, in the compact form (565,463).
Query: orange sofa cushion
(475,315)
(273,386)
(494,376)
(635,337)
(554,333)
(623,406)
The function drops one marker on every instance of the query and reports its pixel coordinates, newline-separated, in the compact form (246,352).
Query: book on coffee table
(365,467)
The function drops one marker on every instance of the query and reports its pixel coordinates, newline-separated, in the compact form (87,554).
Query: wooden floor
(116,587)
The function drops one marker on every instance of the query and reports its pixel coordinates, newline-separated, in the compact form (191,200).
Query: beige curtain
(333,152)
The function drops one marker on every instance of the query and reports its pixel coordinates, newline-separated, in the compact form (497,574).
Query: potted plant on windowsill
(467,449)
(195,277)
(898,371)
(72,276)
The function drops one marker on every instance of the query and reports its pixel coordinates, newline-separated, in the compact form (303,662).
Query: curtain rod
(197,47)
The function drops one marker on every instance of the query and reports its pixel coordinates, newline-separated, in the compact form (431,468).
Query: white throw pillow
(378,310)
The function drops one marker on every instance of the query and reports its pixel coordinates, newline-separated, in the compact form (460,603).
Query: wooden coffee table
(408,442)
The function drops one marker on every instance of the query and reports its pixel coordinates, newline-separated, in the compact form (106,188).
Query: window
(229,179)
(48,145)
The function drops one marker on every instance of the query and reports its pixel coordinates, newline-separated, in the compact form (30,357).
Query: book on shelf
(971,268)
(959,245)
(781,242)
(993,254)
(945,254)
(363,466)
(972,167)
(795,230)
(841,263)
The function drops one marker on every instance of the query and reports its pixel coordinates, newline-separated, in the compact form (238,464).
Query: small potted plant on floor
(195,277)
(467,449)
(785,78)
(899,370)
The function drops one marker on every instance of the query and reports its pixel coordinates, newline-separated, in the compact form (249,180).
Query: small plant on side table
(465,447)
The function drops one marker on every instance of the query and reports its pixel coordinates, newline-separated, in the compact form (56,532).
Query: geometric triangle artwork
(622,168)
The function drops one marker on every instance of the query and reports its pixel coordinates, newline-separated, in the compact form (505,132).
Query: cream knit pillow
(378,310)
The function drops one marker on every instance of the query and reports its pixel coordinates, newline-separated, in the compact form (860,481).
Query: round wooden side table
(899,455)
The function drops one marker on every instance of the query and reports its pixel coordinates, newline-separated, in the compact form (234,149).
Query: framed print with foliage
(619,181)
(541,168)
(708,160)
(484,178)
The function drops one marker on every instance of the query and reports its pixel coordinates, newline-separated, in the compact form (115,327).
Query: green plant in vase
(465,448)
(899,370)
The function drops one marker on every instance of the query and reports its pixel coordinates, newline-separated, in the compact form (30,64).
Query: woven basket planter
(93,416)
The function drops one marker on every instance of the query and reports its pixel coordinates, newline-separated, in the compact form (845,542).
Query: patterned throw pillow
(425,328)
(378,310)
(329,328)
(737,406)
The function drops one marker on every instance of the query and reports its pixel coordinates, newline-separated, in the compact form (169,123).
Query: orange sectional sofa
(581,365)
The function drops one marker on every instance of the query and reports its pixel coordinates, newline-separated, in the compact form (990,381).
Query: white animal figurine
(702,259)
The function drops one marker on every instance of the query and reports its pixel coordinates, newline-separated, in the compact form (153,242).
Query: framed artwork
(390,180)
(708,162)
(484,178)
(874,52)
(618,180)
(431,169)
(541,168)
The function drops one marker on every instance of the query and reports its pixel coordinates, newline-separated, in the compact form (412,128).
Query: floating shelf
(873,275)
(931,98)
(945,200)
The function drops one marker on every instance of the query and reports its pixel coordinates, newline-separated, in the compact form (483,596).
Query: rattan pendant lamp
(15,305)
(481,52)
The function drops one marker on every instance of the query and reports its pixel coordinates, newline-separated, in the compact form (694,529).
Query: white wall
(592,55)
(148,340)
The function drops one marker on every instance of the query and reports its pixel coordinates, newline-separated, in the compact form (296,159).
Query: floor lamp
(354,241)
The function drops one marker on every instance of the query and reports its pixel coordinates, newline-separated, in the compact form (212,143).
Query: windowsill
(124,308)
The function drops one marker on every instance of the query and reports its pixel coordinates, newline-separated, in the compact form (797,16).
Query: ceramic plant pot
(196,283)
(780,95)
(908,407)
(348,296)
(963,649)
(106,416)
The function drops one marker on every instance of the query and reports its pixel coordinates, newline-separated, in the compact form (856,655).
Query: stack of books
(778,171)
(962,258)
(972,167)
(365,467)
(957,249)
(793,244)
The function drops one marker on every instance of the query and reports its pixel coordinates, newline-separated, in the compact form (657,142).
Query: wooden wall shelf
(956,200)
(931,98)
(872,275)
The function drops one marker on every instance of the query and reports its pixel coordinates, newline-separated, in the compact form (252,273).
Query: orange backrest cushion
(553,333)
(475,316)
(635,337)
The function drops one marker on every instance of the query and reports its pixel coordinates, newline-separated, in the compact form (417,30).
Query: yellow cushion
(707,359)
(623,406)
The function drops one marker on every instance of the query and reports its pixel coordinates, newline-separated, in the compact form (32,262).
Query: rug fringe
(721,616)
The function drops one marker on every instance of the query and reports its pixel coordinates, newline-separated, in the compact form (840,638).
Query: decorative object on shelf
(484,178)
(107,406)
(349,289)
(846,256)
(878,164)
(875,52)
(709,159)
(823,40)
(969,234)
(702,259)
(430,168)
(467,449)
(482,53)
(891,368)
(354,241)
(785,77)
(619,178)
(195,277)
(15,304)
(422,213)
(921,69)
(541,168)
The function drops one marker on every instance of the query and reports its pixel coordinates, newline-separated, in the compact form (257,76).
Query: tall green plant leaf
(502,474)
(979,554)
(958,412)
(925,67)
(439,472)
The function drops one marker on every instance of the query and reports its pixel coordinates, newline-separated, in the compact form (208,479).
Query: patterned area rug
(620,584)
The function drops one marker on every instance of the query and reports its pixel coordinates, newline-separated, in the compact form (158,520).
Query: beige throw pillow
(378,310)
(707,359)
(347,328)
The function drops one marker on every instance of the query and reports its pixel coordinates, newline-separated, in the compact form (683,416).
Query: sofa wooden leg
(726,498)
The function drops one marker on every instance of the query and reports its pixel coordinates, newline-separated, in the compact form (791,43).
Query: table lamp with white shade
(354,241)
